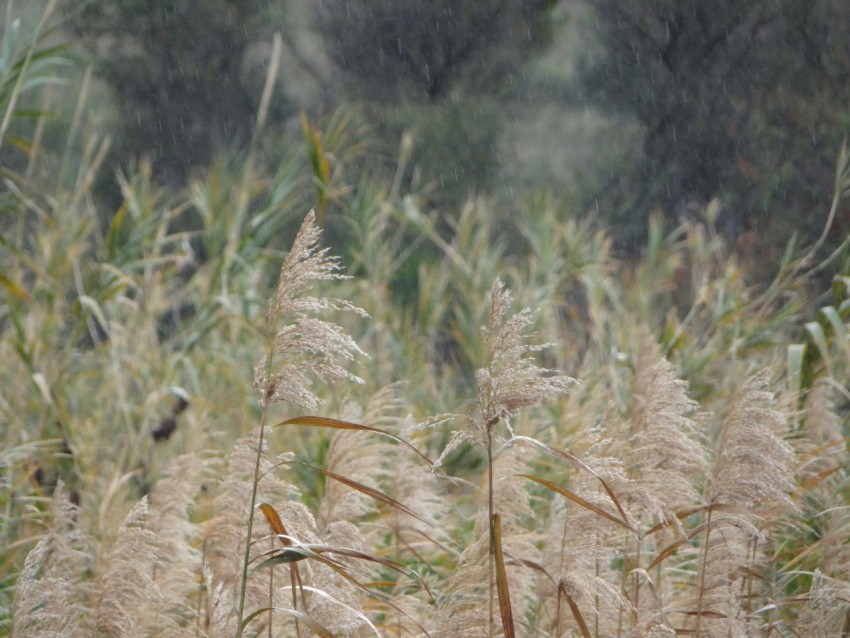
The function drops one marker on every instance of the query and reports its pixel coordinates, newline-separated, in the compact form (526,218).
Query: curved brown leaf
(336,424)
(317,552)
(576,463)
(275,523)
(563,491)
(312,624)
(672,547)
(370,492)
(582,625)
(682,515)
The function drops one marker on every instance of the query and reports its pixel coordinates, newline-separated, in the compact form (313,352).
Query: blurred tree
(742,100)
(181,74)
(423,49)
(436,67)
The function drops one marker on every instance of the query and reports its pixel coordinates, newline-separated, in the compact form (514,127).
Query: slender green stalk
(491,556)
(79,110)
(201,587)
(250,526)
(268,88)
(255,482)
(747,585)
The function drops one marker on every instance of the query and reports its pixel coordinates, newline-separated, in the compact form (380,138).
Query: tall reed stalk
(299,348)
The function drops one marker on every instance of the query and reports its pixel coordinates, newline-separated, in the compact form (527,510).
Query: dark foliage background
(621,108)
(181,75)
(741,101)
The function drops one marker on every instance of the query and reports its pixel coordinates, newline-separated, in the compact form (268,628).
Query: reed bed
(214,427)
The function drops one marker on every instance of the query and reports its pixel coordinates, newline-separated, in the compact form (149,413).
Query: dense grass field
(224,415)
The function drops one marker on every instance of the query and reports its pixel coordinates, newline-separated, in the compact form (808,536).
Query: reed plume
(50,596)
(665,456)
(749,487)
(304,348)
(128,586)
(510,381)
(664,462)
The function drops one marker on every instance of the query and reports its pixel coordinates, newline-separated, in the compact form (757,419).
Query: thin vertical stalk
(79,110)
(702,572)
(268,88)
(560,571)
(254,483)
(295,581)
(491,555)
(271,593)
(623,578)
(396,531)
(596,603)
(636,584)
(747,588)
(39,132)
(201,589)
(250,526)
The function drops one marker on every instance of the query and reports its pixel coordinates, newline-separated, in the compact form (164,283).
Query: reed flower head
(50,592)
(512,380)
(304,347)
(753,465)
(750,483)
(665,455)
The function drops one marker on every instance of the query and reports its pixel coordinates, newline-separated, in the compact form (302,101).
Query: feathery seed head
(305,262)
(753,466)
(664,455)
(306,347)
(512,379)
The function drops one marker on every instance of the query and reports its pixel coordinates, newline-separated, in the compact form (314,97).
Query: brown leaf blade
(324,553)
(294,575)
(679,515)
(563,491)
(814,480)
(672,547)
(576,463)
(274,522)
(502,579)
(13,288)
(336,424)
(371,492)
(582,625)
